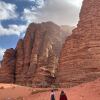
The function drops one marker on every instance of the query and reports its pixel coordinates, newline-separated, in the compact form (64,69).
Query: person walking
(52,95)
(63,96)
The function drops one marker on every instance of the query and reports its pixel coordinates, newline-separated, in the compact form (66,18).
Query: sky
(16,15)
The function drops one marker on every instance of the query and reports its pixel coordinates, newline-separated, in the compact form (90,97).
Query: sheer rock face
(41,53)
(36,56)
(8,67)
(19,61)
(79,60)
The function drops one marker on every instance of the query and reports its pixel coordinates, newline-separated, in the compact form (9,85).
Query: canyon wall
(80,56)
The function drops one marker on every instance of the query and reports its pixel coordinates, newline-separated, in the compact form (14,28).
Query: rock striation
(37,54)
(79,60)
(8,67)
(34,61)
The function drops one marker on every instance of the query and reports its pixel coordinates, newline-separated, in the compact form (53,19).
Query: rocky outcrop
(79,60)
(7,71)
(36,56)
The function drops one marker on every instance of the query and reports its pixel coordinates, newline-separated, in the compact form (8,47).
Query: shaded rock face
(19,61)
(79,60)
(7,71)
(35,57)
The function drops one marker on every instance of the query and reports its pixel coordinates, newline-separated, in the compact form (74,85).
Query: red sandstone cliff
(35,58)
(79,60)
(37,54)
(8,67)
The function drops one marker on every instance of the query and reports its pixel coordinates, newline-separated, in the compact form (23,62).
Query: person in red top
(63,96)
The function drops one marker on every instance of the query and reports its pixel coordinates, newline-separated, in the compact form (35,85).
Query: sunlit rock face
(35,57)
(80,55)
(0,64)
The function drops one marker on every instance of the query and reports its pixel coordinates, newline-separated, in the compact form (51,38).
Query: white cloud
(29,15)
(76,3)
(7,11)
(59,11)
(2,50)
(12,30)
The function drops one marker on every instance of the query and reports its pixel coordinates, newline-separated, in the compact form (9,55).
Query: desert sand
(86,91)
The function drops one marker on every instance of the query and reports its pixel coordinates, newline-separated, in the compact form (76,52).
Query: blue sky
(15,16)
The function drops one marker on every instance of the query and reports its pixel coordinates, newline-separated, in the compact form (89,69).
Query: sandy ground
(88,91)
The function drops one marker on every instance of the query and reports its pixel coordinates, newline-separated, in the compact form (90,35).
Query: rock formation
(8,67)
(79,60)
(37,54)
(35,58)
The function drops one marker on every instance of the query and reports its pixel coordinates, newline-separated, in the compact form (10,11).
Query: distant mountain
(67,29)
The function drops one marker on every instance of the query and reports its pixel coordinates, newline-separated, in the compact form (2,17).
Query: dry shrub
(13,87)
(2,87)
(20,98)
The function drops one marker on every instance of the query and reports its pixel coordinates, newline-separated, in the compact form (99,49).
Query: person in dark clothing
(52,95)
(63,96)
